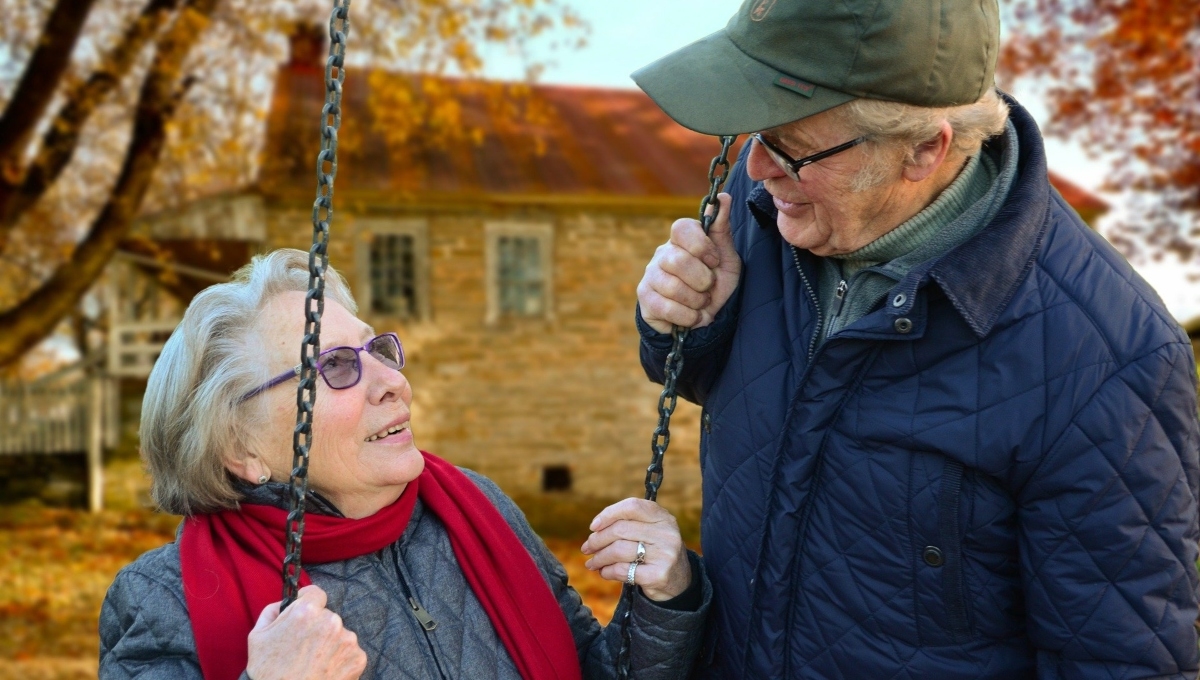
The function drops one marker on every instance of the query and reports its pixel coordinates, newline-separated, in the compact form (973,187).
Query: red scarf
(231,570)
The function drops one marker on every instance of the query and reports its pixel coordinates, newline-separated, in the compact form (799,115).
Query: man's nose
(760,166)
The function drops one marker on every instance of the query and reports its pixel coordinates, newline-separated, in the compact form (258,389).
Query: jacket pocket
(937,526)
(950,532)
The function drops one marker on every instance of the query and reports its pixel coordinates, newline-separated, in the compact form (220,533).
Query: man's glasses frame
(369,346)
(792,166)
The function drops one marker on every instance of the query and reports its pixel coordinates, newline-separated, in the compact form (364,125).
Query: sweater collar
(979,276)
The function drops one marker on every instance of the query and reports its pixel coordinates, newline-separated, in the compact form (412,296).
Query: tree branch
(40,79)
(36,316)
(62,137)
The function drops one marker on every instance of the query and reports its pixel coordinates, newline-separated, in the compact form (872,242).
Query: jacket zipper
(812,347)
(427,622)
(839,296)
(812,295)
(423,616)
(819,462)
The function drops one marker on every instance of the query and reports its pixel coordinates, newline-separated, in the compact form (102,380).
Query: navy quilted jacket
(992,476)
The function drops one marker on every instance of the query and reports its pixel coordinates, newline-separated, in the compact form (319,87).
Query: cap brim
(714,88)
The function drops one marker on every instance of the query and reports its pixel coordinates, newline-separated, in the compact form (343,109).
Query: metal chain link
(718,171)
(314,302)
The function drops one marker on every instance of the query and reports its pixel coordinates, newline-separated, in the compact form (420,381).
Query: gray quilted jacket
(145,631)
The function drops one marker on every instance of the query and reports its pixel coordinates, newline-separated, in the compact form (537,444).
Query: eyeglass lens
(341,366)
(784,163)
(387,351)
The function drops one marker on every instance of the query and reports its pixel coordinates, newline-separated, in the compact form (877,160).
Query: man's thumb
(720,232)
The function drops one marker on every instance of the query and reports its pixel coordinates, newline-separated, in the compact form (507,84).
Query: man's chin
(800,232)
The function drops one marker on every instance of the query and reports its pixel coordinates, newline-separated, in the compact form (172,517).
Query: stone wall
(514,396)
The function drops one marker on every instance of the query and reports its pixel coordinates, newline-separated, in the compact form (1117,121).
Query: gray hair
(193,417)
(893,126)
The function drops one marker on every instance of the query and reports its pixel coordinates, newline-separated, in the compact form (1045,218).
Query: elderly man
(947,431)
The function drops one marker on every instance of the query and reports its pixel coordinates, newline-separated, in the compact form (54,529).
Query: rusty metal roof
(590,142)
(1079,198)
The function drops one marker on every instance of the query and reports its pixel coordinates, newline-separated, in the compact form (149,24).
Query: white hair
(898,129)
(193,416)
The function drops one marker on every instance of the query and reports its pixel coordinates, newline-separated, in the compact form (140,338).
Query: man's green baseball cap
(782,60)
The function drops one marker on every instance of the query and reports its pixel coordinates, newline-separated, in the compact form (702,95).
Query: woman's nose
(760,166)
(385,383)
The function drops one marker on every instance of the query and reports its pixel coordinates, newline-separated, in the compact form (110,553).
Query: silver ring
(638,559)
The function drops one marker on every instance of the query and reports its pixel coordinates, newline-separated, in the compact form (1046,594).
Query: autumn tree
(111,106)
(1123,78)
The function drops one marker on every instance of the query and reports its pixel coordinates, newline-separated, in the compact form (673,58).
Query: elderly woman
(417,568)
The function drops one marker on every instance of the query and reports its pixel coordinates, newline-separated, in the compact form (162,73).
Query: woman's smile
(403,436)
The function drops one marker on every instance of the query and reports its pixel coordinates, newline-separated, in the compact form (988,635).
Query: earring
(263,479)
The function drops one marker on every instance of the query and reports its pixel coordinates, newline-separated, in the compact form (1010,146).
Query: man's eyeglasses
(341,367)
(792,166)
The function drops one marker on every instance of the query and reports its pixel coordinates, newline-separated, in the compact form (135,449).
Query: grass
(57,564)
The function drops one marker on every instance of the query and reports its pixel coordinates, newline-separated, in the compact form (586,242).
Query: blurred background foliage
(115,107)
(1122,77)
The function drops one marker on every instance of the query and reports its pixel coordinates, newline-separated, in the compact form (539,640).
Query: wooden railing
(43,418)
(69,411)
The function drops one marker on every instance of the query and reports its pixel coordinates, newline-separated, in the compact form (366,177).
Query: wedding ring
(638,559)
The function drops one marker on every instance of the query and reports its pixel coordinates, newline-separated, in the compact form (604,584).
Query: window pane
(393,275)
(522,289)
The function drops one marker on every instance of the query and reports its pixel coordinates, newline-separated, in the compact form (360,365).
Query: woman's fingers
(661,578)
(306,640)
(633,519)
(638,509)
(617,551)
(664,572)
(268,615)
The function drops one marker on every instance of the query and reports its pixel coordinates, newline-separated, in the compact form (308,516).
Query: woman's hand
(305,641)
(665,572)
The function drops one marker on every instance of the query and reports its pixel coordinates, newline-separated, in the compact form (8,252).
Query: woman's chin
(406,464)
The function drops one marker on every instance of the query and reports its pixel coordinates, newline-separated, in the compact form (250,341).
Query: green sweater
(853,284)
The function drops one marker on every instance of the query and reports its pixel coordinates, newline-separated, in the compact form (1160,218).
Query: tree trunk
(36,317)
(19,194)
(39,81)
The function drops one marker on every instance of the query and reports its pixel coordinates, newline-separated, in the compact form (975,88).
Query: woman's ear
(248,467)
(928,156)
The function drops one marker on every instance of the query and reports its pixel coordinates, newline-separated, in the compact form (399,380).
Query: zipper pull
(839,296)
(423,616)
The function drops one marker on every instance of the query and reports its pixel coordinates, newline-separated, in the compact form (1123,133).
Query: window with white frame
(393,267)
(519,267)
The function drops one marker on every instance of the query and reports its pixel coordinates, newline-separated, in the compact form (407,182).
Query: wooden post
(95,442)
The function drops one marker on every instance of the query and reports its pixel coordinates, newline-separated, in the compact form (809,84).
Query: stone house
(508,267)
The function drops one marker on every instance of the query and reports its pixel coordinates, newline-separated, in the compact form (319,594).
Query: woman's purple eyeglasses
(341,367)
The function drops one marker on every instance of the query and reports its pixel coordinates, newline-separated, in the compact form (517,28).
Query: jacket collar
(980,276)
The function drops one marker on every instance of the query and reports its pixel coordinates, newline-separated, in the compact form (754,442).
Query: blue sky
(628,34)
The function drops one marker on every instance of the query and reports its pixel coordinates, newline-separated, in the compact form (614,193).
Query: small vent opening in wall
(556,478)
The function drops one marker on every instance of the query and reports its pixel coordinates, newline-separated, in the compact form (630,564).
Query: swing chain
(314,302)
(718,171)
